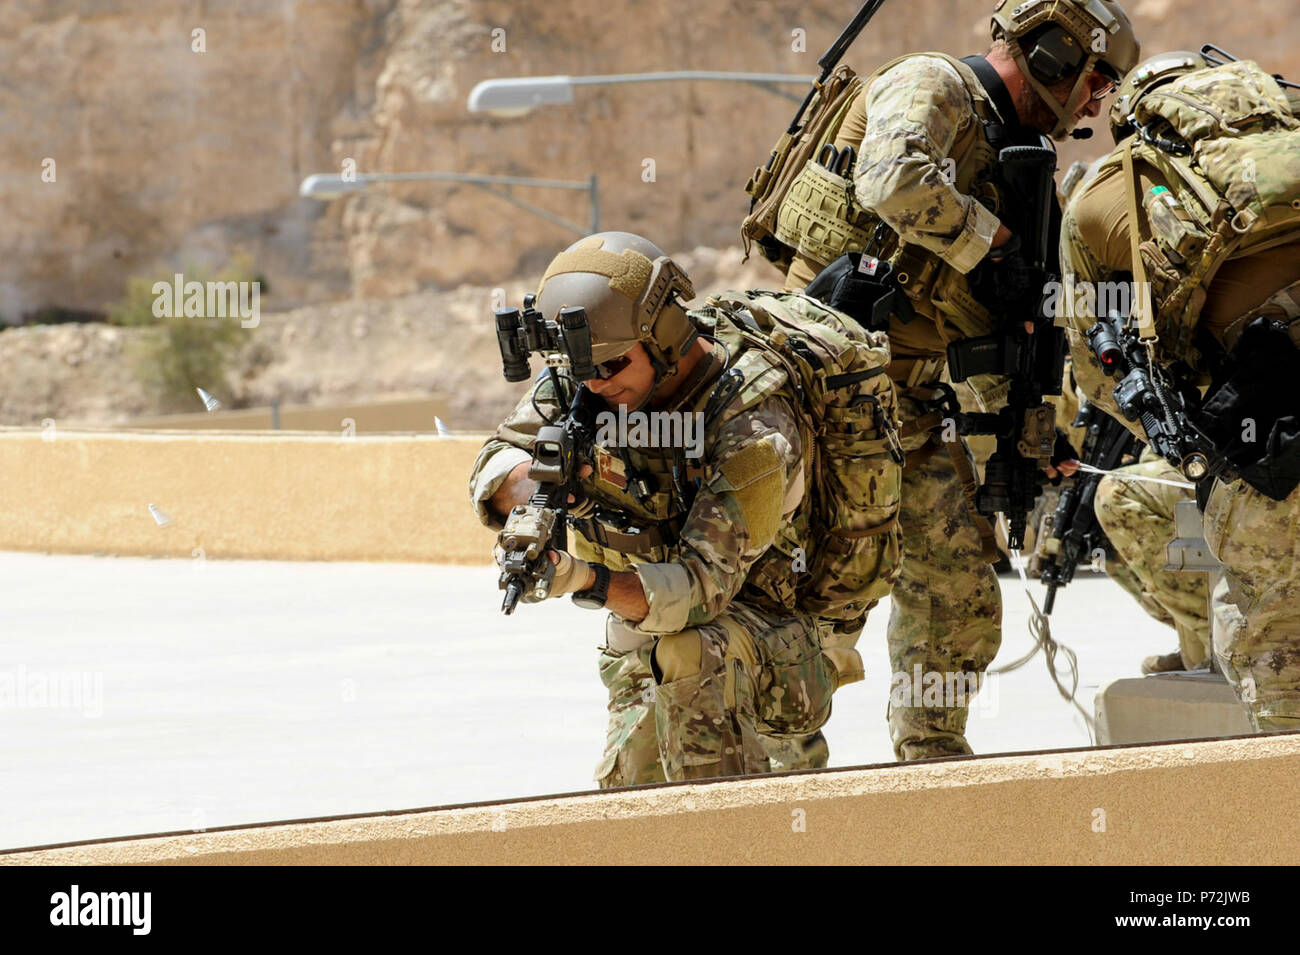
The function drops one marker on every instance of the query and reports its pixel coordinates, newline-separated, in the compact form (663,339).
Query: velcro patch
(628,271)
(754,474)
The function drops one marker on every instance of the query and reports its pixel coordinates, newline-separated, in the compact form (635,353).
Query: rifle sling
(1143,306)
(998,93)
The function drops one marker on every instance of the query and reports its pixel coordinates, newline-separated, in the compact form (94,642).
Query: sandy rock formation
(167,156)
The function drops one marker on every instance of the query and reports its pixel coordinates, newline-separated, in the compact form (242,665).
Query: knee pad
(677,656)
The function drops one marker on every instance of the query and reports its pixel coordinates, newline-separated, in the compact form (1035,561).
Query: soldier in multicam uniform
(1191,214)
(1135,508)
(925,168)
(703,654)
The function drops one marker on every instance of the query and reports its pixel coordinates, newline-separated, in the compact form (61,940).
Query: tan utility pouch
(771,182)
(819,217)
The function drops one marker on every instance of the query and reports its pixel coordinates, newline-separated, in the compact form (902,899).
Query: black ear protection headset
(1054,55)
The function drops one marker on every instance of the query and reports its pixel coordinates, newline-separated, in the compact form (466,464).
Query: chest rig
(642,495)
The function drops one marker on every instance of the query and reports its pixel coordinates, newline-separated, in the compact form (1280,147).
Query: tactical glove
(1007,284)
(571,575)
(1062,450)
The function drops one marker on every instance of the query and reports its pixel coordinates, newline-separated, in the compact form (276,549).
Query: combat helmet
(632,292)
(1053,40)
(1146,76)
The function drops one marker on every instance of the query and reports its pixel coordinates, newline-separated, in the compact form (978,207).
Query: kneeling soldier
(718,557)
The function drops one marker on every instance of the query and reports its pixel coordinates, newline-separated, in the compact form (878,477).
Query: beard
(1034,112)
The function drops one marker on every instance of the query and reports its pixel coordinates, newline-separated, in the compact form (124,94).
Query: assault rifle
(533,529)
(1034,361)
(1075,529)
(1162,404)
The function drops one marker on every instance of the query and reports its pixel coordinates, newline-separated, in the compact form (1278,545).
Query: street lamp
(515,96)
(326,186)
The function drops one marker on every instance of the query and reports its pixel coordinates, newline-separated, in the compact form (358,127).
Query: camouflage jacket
(920,115)
(925,168)
(748,496)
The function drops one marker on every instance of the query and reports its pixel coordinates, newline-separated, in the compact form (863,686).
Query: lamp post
(515,96)
(326,186)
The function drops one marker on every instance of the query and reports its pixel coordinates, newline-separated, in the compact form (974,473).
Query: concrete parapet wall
(277,496)
(1233,801)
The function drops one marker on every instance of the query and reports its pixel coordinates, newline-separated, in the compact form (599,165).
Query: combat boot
(927,733)
(1163,663)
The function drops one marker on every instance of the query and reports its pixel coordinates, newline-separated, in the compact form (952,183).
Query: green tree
(177,355)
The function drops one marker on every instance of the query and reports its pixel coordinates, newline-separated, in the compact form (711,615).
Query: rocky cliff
(142,137)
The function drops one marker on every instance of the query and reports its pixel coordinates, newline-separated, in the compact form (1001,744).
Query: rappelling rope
(1040,629)
(1137,477)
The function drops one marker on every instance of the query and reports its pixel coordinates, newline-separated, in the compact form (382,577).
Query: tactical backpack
(849,425)
(1227,143)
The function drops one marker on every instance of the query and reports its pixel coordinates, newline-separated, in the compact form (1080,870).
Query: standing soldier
(1199,204)
(915,182)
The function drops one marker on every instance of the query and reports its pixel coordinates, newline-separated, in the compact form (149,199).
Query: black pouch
(861,286)
(1253,415)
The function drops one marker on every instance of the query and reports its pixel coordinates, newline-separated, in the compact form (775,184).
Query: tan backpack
(1228,144)
(849,415)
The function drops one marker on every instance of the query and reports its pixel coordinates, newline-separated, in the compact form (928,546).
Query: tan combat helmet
(1053,40)
(1146,76)
(632,292)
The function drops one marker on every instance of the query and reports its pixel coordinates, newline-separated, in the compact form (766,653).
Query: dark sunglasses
(608,369)
(1107,73)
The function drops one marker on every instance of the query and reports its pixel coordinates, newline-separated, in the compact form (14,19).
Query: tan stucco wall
(278,496)
(1223,801)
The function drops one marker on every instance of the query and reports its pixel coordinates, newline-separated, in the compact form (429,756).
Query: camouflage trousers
(812,751)
(946,612)
(748,674)
(1255,538)
(1138,517)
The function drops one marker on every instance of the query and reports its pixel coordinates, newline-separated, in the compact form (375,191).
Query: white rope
(1128,476)
(1040,629)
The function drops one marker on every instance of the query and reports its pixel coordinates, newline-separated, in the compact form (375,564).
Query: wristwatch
(594,598)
